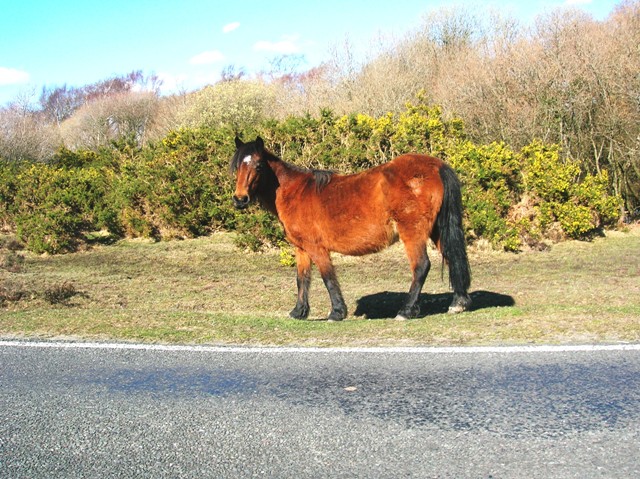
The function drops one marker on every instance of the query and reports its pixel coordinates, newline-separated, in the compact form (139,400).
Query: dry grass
(206,291)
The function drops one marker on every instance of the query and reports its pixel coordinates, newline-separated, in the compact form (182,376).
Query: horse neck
(283,175)
(270,184)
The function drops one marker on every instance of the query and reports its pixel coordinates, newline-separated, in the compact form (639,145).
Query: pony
(412,198)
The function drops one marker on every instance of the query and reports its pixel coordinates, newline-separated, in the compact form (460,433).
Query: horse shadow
(387,304)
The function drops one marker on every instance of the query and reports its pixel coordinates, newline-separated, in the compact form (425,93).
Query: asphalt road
(113,411)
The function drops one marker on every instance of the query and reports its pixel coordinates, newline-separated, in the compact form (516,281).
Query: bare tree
(24,133)
(130,115)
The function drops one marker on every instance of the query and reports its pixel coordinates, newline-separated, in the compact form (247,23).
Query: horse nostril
(240,201)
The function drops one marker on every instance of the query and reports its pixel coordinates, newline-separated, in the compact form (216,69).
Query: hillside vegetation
(542,125)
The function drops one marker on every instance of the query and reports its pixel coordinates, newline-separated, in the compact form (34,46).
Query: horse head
(248,165)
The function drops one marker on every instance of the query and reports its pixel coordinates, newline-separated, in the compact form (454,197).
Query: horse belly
(362,237)
(356,226)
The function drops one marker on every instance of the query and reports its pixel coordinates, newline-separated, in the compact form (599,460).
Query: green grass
(205,291)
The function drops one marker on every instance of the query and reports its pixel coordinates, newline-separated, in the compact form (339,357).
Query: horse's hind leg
(420,266)
(461,299)
(461,302)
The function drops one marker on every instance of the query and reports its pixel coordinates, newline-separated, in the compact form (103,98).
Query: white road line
(289,349)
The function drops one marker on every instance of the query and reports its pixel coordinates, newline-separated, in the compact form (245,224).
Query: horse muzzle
(241,202)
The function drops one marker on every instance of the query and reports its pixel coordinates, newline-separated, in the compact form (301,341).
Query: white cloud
(181,83)
(577,2)
(11,76)
(285,46)
(172,83)
(209,79)
(229,27)
(207,58)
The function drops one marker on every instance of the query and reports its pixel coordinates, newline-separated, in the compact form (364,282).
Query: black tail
(449,224)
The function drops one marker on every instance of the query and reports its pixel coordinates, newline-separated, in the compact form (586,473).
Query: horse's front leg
(328,273)
(303,280)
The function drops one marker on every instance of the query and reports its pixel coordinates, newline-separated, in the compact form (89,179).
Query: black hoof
(460,304)
(299,312)
(408,313)
(337,315)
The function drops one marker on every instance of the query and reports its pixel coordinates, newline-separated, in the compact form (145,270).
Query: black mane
(322,177)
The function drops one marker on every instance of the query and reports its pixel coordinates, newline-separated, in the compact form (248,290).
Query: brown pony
(411,198)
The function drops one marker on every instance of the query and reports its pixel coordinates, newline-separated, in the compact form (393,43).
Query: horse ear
(238,142)
(259,144)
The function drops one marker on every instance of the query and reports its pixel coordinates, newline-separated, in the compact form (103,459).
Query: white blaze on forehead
(247,159)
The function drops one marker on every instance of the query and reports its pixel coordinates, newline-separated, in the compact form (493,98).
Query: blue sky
(187,43)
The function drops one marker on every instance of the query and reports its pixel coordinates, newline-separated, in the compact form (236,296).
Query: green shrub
(8,187)
(66,158)
(593,191)
(580,206)
(180,186)
(545,174)
(258,229)
(489,174)
(576,220)
(54,206)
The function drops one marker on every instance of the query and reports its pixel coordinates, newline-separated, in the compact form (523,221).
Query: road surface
(72,410)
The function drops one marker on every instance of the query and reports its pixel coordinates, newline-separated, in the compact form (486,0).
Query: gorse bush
(580,203)
(8,187)
(489,174)
(55,206)
(180,186)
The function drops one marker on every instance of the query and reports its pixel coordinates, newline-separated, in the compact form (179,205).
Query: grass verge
(205,291)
